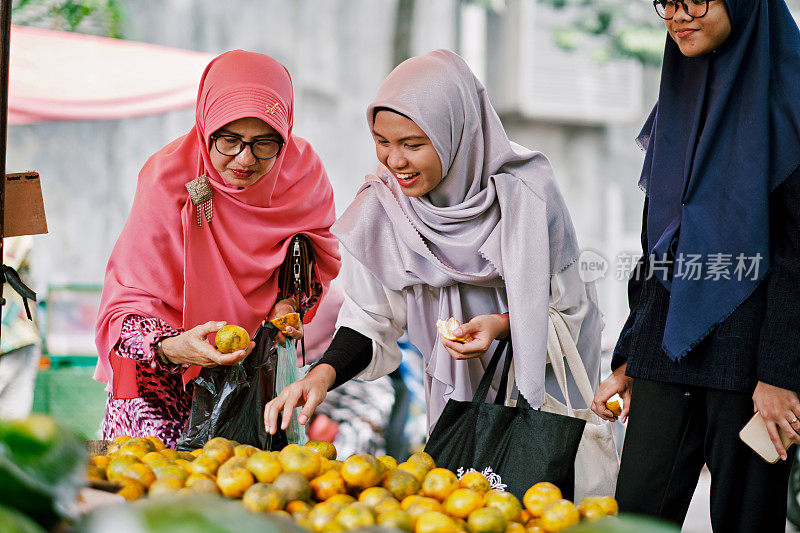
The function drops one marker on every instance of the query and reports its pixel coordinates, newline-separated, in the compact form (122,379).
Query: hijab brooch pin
(271,110)
(201,192)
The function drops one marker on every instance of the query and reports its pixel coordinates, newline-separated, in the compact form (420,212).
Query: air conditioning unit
(528,74)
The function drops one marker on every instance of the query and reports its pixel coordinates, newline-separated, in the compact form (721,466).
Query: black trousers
(672,431)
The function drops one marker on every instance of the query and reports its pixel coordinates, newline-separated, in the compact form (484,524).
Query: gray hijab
(488,237)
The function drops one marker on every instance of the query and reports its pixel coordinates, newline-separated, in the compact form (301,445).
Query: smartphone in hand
(755,435)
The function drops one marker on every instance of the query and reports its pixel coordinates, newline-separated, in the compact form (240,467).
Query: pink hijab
(166,266)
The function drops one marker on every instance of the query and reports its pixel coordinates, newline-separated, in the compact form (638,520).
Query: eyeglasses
(232,146)
(666,9)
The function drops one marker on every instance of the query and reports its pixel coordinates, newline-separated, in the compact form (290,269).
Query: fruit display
(322,494)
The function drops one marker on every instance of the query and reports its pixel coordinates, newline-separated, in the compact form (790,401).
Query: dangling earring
(201,192)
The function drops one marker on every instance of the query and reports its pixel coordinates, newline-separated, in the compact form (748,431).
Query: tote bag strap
(488,375)
(560,345)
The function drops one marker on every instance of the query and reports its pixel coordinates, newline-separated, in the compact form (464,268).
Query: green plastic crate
(72,396)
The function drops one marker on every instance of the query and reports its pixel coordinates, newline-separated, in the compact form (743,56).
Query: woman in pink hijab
(212,218)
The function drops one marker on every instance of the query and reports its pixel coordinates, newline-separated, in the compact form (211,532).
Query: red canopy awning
(57,75)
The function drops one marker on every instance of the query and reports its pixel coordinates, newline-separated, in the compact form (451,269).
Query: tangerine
(324,448)
(300,459)
(439,483)
(506,503)
(293,486)
(234,482)
(476,481)
(374,495)
(262,498)
(165,485)
(539,495)
(362,471)
(558,515)
(328,484)
(231,338)
(264,466)
(396,519)
(415,469)
(608,503)
(435,522)
(486,520)
(356,515)
(461,502)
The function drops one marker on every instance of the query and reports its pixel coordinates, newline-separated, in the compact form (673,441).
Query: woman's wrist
(167,346)
(324,373)
(503,326)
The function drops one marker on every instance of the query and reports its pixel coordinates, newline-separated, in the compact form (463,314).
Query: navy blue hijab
(724,133)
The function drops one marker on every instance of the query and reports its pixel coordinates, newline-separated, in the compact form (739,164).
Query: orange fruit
(157,443)
(322,514)
(141,473)
(410,500)
(195,453)
(590,510)
(389,463)
(131,489)
(476,481)
(95,473)
(446,328)
(461,502)
(415,469)
(284,321)
(298,508)
(300,459)
(231,338)
(293,486)
(539,495)
(614,407)
(386,505)
(341,500)
(439,483)
(435,522)
(165,485)
(515,527)
(203,486)
(506,503)
(264,466)
(558,515)
(172,454)
(423,459)
(324,448)
(262,498)
(137,446)
(356,515)
(219,449)
(608,503)
(395,520)
(172,471)
(101,461)
(232,463)
(119,464)
(152,457)
(374,495)
(234,482)
(420,507)
(244,450)
(203,465)
(362,471)
(328,484)
(486,520)
(183,463)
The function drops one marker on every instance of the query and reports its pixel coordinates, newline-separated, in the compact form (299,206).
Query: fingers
(626,405)
(209,327)
(607,389)
(280,339)
(788,430)
(457,350)
(271,414)
(774,436)
(315,397)
(292,400)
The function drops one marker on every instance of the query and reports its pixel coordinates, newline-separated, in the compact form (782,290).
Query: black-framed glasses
(666,9)
(231,146)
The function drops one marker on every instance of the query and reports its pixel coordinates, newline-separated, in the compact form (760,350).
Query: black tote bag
(521,445)
(229,401)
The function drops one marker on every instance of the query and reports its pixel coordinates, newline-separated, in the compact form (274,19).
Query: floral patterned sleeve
(138,338)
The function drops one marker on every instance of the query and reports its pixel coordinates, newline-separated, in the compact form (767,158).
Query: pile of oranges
(310,486)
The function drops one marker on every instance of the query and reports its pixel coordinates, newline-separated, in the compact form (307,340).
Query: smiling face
(243,169)
(702,35)
(407,152)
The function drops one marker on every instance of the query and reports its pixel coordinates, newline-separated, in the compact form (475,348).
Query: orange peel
(614,407)
(288,320)
(446,328)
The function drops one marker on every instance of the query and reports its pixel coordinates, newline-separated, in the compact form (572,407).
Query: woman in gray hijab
(457,222)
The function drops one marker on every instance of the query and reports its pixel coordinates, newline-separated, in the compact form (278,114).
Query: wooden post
(5,44)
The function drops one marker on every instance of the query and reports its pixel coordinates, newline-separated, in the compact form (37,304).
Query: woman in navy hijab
(714,328)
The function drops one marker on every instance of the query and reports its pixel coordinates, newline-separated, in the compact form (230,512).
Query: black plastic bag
(229,400)
(520,445)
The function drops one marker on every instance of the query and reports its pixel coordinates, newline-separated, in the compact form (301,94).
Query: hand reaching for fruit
(477,335)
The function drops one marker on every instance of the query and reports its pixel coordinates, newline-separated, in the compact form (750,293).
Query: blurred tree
(96,17)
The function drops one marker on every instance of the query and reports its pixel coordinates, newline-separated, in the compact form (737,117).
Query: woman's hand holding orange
(285,307)
(616,383)
(192,348)
(479,332)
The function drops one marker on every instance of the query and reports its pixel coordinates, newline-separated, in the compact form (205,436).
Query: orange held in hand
(231,339)
(282,322)
(446,328)
(614,407)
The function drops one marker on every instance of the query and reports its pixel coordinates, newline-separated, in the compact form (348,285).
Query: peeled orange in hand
(291,319)
(446,328)
(614,407)
(231,339)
